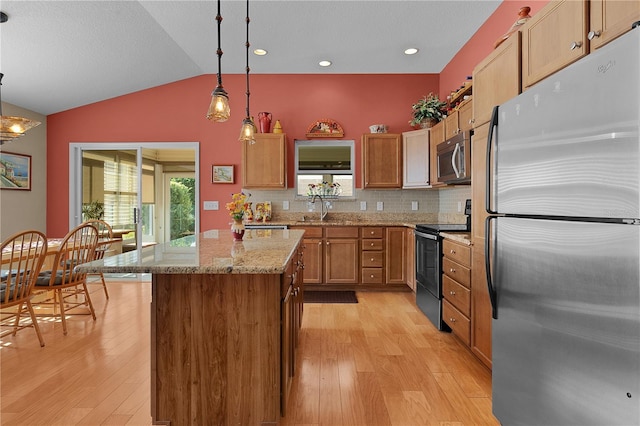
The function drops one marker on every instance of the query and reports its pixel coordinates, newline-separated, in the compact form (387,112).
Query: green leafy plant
(429,107)
(93,210)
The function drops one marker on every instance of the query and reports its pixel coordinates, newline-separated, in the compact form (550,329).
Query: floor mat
(330,297)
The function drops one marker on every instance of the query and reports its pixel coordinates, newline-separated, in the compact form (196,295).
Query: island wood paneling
(215,353)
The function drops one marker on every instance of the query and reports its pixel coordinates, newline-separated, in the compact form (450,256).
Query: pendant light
(247,133)
(219,110)
(13,127)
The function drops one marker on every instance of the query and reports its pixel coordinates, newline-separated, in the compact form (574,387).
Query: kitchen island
(222,324)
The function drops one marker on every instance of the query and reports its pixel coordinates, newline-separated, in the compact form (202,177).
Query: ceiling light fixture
(247,133)
(411,51)
(260,52)
(219,110)
(324,63)
(13,127)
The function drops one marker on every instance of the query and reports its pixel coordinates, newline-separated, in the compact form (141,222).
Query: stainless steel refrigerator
(563,236)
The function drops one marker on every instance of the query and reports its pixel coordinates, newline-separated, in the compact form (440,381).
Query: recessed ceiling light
(260,52)
(324,63)
(411,51)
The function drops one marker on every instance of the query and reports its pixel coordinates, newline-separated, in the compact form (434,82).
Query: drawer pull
(452,270)
(452,251)
(575,45)
(453,293)
(593,34)
(371,275)
(372,232)
(372,244)
(452,319)
(372,259)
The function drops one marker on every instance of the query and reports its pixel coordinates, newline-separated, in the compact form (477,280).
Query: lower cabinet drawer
(371,259)
(372,275)
(459,324)
(458,295)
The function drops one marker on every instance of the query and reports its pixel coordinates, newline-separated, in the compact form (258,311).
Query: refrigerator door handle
(487,261)
(489,184)
(454,160)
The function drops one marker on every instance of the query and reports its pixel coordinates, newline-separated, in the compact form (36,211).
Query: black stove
(435,228)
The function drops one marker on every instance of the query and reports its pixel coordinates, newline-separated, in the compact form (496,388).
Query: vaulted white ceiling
(58,55)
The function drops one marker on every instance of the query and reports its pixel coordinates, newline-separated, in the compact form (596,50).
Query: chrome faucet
(323,209)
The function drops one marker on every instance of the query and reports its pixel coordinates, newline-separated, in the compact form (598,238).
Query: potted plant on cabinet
(427,111)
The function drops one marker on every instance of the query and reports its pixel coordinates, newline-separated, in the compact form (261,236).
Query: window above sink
(318,161)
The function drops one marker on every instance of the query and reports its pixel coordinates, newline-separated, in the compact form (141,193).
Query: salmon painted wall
(481,43)
(175,112)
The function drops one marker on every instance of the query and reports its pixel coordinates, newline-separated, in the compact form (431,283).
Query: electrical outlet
(379,206)
(211,205)
(363,205)
(285,205)
(414,205)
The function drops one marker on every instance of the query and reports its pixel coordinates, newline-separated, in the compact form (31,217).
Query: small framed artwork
(15,171)
(222,174)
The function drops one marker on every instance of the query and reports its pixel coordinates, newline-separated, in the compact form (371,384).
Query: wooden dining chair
(67,286)
(22,257)
(105,232)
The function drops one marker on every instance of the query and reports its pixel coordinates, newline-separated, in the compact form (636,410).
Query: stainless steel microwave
(454,159)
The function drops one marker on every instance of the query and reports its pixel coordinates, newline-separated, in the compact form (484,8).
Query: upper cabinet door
(264,164)
(610,19)
(496,79)
(553,38)
(415,147)
(381,160)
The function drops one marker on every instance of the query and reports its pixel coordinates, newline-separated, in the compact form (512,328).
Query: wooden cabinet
(480,303)
(496,79)
(372,255)
(553,38)
(341,255)
(436,136)
(609,19)
(395,252)
(410,259)
(287,349)
(415,159)
(313,254)
(264,164)
(381,160)
(456,288)
(459,120)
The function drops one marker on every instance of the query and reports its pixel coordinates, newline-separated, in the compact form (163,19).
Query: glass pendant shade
(219,110)
(14,127)
(247,133)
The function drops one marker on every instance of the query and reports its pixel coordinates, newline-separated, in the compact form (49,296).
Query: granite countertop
(461,237)
(211,252)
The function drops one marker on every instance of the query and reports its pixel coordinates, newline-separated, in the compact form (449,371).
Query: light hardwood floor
(378,362)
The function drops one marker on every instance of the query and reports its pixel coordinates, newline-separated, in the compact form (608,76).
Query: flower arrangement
(324,189)
(429,107)
(238,206)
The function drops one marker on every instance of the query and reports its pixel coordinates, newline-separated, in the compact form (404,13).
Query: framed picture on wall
(15,171)
(222,174)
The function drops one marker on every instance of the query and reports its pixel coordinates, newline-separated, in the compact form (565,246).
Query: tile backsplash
(442,202)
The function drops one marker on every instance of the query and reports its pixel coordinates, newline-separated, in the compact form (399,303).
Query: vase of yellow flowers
(237,209)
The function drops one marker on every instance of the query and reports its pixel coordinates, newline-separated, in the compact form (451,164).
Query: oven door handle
(423,235)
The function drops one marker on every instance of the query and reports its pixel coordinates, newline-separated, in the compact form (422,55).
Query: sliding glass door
(125,185)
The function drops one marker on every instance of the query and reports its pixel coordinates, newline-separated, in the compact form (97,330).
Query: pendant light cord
(247,68)
(219,51)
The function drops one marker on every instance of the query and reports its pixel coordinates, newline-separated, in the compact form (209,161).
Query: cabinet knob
(452,251)
(593,34)
(576,45)
(452,319)
(452,270)
(371,275)
(372,232)
(453,293)
(320,243)
(372,259)
(372,244)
